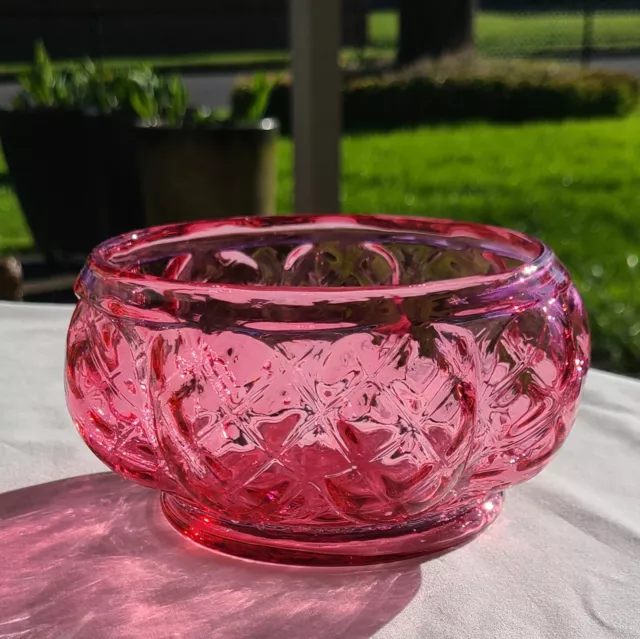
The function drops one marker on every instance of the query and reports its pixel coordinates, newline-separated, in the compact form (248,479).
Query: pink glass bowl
(326,390)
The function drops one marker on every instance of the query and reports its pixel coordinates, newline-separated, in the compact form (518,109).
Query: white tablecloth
(92,557)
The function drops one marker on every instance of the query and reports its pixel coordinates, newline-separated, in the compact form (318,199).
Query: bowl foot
(426,539)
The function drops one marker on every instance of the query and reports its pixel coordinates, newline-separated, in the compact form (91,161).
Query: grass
(512,34)
(574,185)
(14,232)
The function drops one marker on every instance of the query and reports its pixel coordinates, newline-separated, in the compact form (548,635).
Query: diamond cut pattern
(534,368)
(339,429)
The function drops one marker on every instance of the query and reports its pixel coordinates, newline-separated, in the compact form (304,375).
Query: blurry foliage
(467,89)
(255,107)
(133,90)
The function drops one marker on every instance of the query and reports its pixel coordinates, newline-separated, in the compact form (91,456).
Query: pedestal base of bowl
(422,539)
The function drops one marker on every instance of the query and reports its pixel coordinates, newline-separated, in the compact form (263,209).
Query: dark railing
(75,28)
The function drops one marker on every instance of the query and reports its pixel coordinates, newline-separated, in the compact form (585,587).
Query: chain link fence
(578,30)
(583,34)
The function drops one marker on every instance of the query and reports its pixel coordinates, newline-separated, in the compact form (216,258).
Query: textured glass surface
(331,389)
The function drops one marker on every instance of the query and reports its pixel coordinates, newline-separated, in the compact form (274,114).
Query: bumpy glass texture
(322,390)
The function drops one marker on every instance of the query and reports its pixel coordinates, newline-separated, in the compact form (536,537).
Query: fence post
(315,38)
(587,33)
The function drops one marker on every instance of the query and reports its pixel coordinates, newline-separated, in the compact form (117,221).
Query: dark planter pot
(194,174)
(76,177)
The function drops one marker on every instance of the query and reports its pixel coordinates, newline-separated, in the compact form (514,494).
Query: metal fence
(585,34)
(575,29)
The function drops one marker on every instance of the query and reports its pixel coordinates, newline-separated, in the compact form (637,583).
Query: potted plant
(95,151)
(197,164)
(68,145)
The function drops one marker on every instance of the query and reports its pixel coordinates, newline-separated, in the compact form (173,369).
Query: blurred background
(516,113)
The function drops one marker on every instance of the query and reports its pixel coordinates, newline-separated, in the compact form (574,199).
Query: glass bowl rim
(538,259)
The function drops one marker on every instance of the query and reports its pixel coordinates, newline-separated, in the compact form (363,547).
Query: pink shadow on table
(94,557)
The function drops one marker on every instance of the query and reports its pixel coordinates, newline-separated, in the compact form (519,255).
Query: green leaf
(143,103)
(254,107)
(173,99)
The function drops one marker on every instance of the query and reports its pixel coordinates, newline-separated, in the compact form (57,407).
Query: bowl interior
(323,252)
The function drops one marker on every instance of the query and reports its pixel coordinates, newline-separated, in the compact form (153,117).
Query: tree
(433,28)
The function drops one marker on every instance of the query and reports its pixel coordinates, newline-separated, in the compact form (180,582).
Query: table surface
(92,556)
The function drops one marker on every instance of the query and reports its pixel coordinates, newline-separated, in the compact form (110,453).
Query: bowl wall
(343,379)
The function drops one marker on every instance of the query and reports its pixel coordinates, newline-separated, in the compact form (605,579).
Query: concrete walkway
(629,65)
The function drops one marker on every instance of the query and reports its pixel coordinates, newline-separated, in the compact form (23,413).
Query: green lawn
(574,184)
(508,34)
(14,233)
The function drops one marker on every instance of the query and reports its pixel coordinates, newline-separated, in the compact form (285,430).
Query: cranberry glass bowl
(326,390)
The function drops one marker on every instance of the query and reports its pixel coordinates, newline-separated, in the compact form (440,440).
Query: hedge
(480,91)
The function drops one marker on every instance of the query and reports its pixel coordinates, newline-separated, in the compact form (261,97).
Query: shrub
(454,91)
